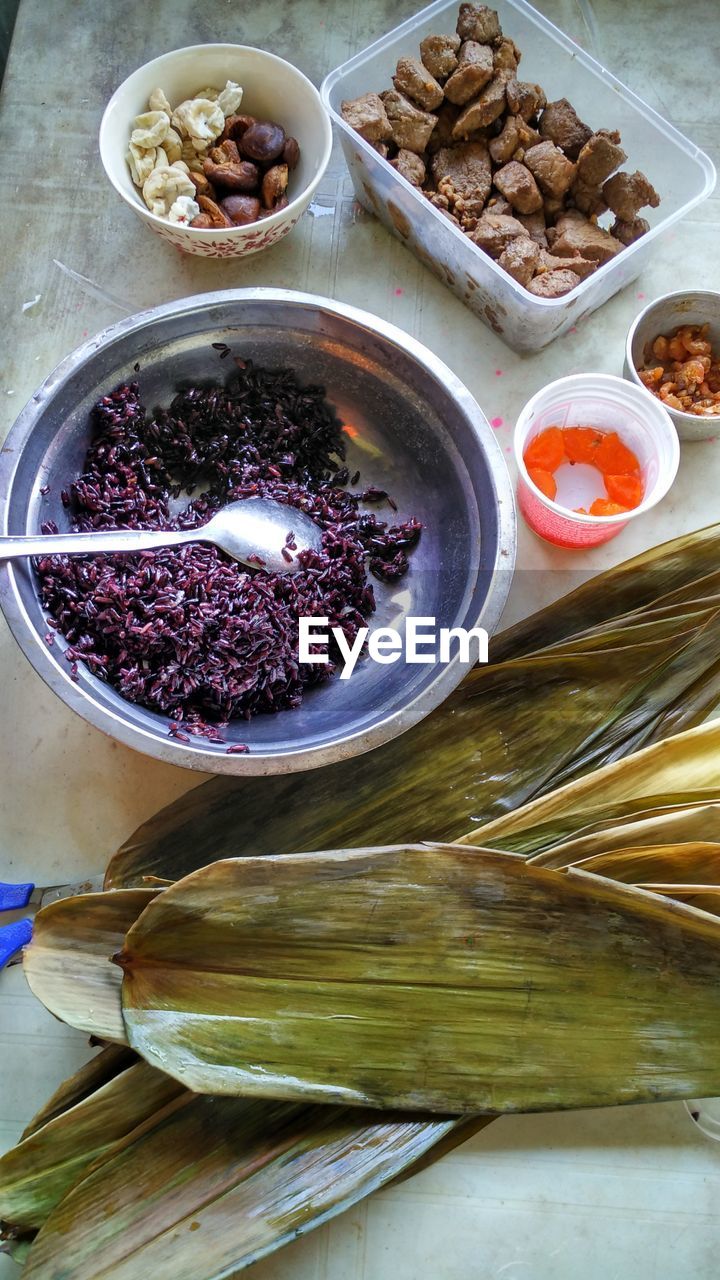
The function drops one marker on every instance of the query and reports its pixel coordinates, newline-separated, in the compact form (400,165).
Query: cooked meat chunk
(627,193)
(519,187)
(446,118)
(411,127)
(506,55)
(415,81)
(551,167)
(629,232)
(573,234)
(474,70)
(439,54)
(506,144)
(382,148)
(520,258)
(480,113)
(534,224)
(553,284)
(524,99)
(442,204)
(494,232)
(553,206)
(560,123)
(588,199)
(581,266)
(410,166)
(464,175)
(600,157)
(478,22)
(368,117)
(497,203)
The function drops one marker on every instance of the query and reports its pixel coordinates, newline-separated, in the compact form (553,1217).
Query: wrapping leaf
(674,824)
(445,978)
(669,863)
(216,1184)
(66,964)
(105,1066)
(628,659)
(35,1175)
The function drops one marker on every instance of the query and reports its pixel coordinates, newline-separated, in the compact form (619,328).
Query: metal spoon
(253,530)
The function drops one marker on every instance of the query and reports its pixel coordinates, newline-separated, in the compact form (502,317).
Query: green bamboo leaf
(67,962)
(216,1184)
(105,1066)
(669,824)
(445,978)
(36,1174)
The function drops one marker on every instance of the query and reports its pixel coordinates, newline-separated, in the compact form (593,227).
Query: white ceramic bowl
(664,315)
(273,90)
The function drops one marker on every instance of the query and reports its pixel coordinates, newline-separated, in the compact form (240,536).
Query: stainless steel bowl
(700,306)
(417,432)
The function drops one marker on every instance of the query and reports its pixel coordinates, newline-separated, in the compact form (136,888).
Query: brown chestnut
(274,185)
(233,177)
(202,222)
(227,153)
(217,216)
(291,153)
(241,209)
(235,127)
(282,202)
(263,141)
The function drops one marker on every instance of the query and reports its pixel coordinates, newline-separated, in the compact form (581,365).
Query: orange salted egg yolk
(613,460)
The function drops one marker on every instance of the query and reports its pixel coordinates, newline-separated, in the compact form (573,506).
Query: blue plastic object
(14,896)
(13,937)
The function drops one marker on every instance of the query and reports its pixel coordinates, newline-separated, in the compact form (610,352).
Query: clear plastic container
(706,1114)
(610,404)
(682,173)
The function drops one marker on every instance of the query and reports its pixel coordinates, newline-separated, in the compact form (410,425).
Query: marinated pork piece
(600,157)
(411,127)
(439,54)
(464,175)
(553,170)
(410,166)
(524,99)
(581,266)
(478,22)
(518,186)
(367,116)
(627,193)
(534,224)
(480,113)
(415,81)
(443,205)
(561,124)
(506,144)
(498,204)
(494,232)
(588,199)
(447,118)
(520,259)
(553,284)
(474,70)
(574,234)
(629,232)
(506,55)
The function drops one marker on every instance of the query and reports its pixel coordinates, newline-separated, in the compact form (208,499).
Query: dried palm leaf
(697,863)
(457,980)
(36,1174)
(66,963)
(105,1066)
(675,824)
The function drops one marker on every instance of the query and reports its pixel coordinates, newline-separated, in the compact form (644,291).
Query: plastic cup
(610,404)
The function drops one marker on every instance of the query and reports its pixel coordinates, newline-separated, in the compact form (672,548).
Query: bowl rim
(687,419)
(273,219)
(291,760)
(573,380)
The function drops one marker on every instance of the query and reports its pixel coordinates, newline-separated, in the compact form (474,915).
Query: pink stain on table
(496,422)
(498,373)
(399,292)
(641,297)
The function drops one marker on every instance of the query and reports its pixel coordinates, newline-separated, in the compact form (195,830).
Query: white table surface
(609,1195)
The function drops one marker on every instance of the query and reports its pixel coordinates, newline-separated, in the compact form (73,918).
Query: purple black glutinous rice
(187,631)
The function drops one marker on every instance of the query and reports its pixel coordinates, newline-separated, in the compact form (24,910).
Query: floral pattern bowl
(273,89)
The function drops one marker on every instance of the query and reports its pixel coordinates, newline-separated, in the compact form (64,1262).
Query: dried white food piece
(158,102)
(142,161)
(230,98)
(150,129)
(172,146)
(212,95)
(161,159)
(165,184)
(200,120)
(192,158)
(183,210)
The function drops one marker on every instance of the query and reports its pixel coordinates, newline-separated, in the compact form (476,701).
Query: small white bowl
(272,90)
(664,315)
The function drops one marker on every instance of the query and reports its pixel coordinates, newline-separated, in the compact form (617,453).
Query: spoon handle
(84,544)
